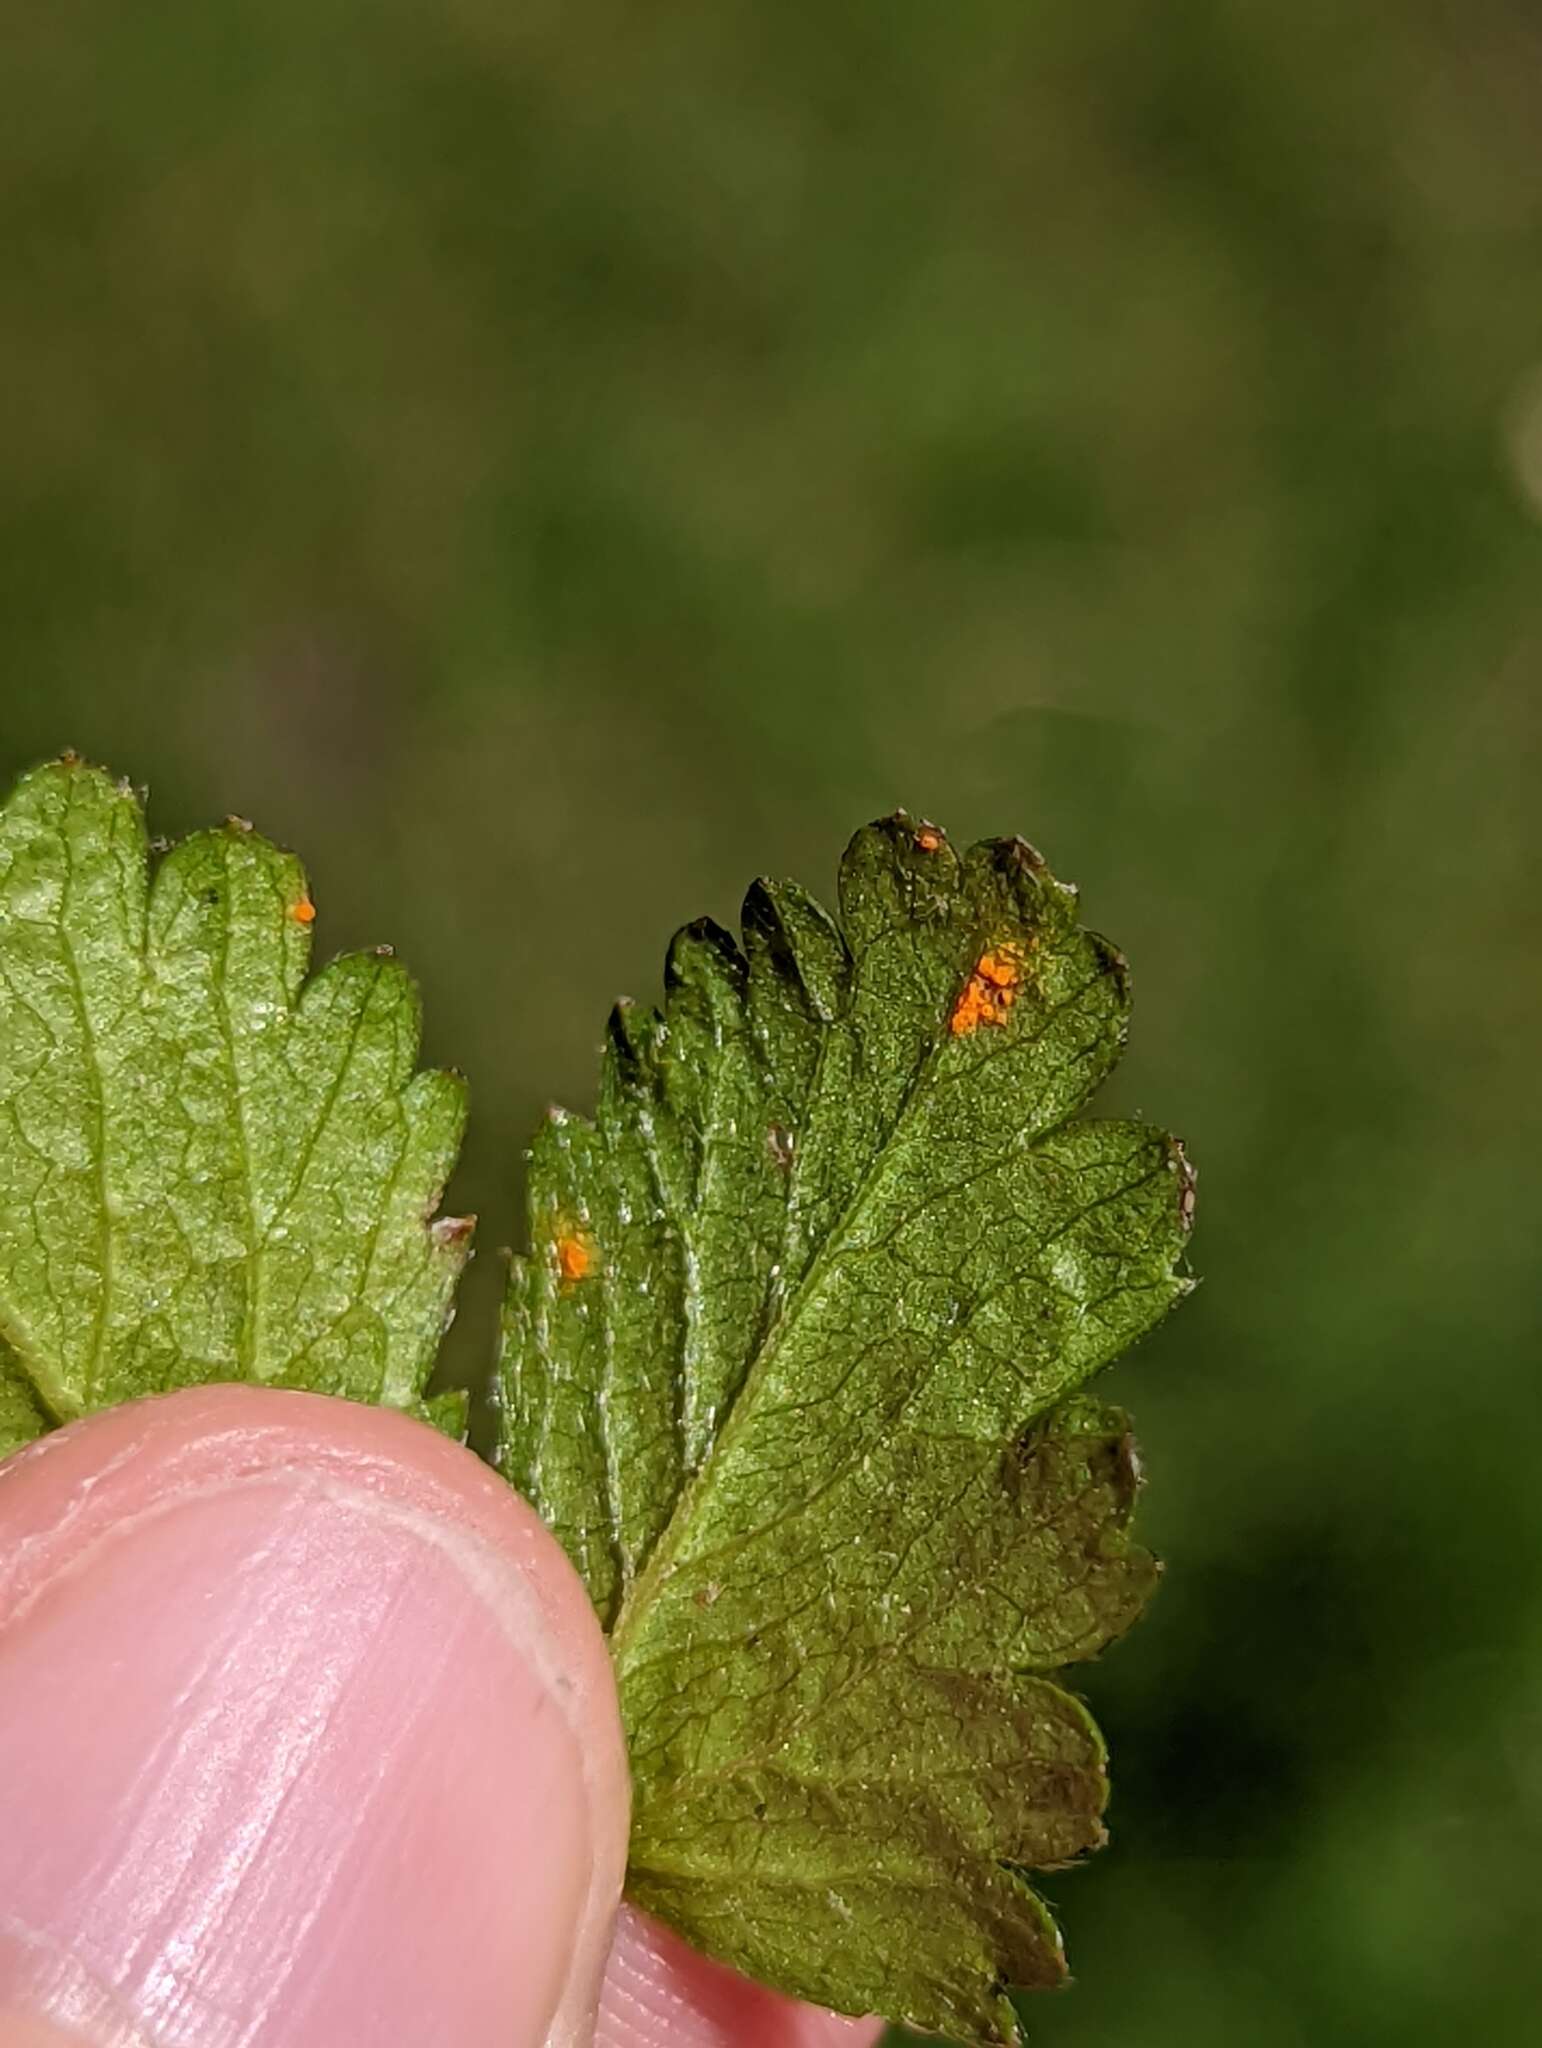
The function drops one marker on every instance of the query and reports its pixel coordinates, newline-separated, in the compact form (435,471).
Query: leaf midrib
(661,1558)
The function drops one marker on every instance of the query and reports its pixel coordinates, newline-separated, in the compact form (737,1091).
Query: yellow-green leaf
(210,1169)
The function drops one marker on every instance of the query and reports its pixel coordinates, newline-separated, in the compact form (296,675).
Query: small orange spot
(929,839)
(303,912)
(990,991)
(575,1256)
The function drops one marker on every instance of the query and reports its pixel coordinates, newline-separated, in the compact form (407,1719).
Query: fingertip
(21,2030)
(659,1993)
(309,1735)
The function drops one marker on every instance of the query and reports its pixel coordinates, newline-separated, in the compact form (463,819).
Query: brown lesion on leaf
(991,990)
(780,1144)
(1132,1475)
(576,1254)
(1114,1462)
(1179,1163)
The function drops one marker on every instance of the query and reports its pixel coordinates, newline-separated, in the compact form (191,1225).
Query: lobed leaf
(791,1370)
(209,1169)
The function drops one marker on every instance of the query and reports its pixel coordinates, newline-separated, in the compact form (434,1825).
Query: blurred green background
(551,462)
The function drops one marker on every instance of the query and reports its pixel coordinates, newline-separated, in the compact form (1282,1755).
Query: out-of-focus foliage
(551,462)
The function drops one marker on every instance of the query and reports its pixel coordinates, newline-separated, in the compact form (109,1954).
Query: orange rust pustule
(575,1257)
(990,991)
(303,912)
(929,839)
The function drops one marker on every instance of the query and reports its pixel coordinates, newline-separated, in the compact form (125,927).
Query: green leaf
(209,1170)
(21,1419)
(791,1370)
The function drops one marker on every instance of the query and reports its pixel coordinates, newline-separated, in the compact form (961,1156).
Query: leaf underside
(791,1369)
(209,1169)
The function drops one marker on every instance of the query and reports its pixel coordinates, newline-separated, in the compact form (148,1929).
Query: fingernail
(305,1739)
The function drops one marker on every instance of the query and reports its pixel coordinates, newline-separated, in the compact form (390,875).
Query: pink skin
(308,1735)
(660,1994)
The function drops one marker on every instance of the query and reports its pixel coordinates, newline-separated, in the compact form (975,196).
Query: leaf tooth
(702,954)
(796,949)
(628,1059)
(1114,964)
(1010,883)
(891,875)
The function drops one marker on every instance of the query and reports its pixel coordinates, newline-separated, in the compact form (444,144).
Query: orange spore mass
(575,1257)
(303,912)
(989,993)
